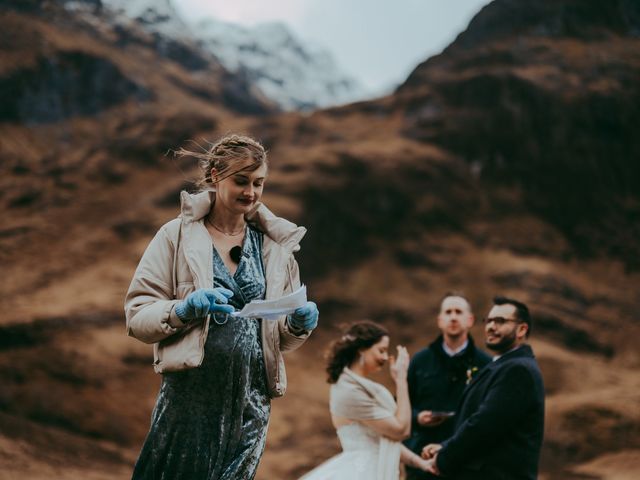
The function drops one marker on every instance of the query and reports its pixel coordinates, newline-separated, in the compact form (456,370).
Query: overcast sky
(379,42)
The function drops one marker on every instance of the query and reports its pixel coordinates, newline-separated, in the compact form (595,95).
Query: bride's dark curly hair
(344,351)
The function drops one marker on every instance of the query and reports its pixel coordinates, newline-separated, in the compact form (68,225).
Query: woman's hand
(399,366)
(204,301)
(426,466)
(304,318)
(429,466)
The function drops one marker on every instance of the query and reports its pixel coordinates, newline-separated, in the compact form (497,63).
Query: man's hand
(431,450)
(426,419)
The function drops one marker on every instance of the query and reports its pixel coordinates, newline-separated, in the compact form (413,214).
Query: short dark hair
(522,311)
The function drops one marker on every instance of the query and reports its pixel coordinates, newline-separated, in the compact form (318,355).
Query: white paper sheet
(272,309)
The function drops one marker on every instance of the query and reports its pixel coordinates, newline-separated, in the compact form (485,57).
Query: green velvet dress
(210,423)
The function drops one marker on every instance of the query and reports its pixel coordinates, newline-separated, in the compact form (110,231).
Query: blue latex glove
(203,301)
(305,318)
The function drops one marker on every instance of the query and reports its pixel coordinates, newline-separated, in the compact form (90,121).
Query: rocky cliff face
(66,84)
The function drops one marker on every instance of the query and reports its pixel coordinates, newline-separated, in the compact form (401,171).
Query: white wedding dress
(366,455)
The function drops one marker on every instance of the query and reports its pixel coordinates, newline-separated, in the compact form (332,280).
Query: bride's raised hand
(402,361)
(399,365)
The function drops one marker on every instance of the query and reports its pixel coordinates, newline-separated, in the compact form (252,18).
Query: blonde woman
(219,372)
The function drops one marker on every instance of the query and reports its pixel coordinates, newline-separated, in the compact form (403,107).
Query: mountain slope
(400,202)
(82,118)
(547,101)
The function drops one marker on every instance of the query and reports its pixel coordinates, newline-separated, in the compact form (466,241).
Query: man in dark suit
(500,421)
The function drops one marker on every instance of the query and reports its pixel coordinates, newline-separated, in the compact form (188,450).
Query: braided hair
(228,156)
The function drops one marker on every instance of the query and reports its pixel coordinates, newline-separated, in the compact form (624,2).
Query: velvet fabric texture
(211,422)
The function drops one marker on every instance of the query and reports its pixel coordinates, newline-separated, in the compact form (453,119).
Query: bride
(369,423)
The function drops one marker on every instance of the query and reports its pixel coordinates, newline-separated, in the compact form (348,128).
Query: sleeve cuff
(441,460)
(295,331)
(174,320)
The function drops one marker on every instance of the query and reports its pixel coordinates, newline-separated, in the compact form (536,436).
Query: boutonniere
(470,373)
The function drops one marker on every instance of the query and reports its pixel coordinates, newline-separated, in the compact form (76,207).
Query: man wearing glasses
(500,422)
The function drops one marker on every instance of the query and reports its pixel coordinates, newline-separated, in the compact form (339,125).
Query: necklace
(232,234)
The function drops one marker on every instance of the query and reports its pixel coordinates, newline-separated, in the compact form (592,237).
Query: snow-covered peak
(157,16)
(295,74)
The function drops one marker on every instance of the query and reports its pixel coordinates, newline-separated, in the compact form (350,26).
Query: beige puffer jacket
(179,260)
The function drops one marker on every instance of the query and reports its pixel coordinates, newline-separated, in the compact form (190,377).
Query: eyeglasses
(499,321)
